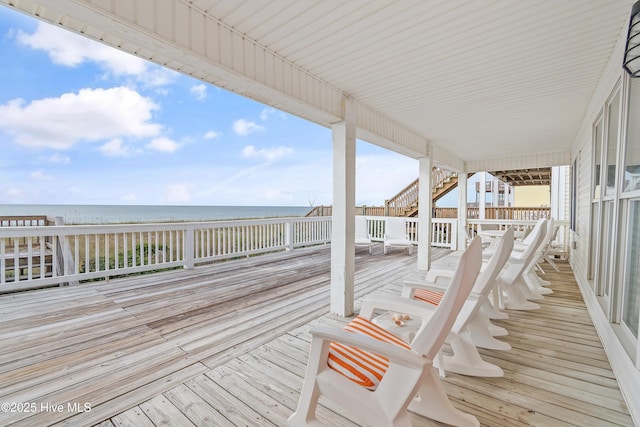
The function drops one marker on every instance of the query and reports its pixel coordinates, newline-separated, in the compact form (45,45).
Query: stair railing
(407,198)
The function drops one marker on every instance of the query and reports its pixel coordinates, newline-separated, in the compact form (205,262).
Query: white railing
(443,230)
(38,256)
(523,227)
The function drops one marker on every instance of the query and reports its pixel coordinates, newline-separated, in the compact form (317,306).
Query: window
(597,156)
(613,130)
(632,156)
(631,300)
(574,196)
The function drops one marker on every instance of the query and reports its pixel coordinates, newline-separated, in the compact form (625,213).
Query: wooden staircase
(405,203)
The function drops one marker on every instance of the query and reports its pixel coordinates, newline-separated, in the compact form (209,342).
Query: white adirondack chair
(363,237)
(534,282)
(552,250)
(408,383)
(511,281)
(395,234)
(471,325)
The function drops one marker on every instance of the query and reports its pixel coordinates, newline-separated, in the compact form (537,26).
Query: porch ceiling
(475,79)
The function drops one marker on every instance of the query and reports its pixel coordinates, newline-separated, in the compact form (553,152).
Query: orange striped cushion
(432,297)
(360,366)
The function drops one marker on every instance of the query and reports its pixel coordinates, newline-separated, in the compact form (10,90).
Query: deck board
(227,344)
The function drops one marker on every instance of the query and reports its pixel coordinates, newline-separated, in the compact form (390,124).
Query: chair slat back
(428,342)
(496,262)
(535,239)
(396,228)
(361,230)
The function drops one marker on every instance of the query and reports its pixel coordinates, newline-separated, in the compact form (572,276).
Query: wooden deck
(227,345)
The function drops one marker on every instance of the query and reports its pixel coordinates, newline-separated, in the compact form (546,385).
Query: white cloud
(56,158)
(116,148)
(270,154)
(212,134)
(90,115)
(70,49)
(131,197)
(156,76)
(266,113)
(199,91)
(39,175)
(177,193)
(163,91)
(244,127)
(164,145)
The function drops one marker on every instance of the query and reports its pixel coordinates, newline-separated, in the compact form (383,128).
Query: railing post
(288,234)
(66,261)
(454,236)
(189,247)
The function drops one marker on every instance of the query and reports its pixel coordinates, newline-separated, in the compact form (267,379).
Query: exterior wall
(582,151)
(532,196)
(580,256)
(623,365)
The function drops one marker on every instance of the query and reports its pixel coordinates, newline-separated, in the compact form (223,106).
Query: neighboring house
(532,196)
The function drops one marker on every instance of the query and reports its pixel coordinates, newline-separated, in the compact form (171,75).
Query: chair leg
(552,263)
(305,414)
(498,296)
(524,289)
(440,364)
(535,283)
(466,359)
(481,337)
(482,320)
(516,300)
(432,402)
(491,311)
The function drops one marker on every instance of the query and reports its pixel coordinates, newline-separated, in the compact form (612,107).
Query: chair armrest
(392,352)
(519,247)
(407,287)
(392,302)
(431,277)
(515,260)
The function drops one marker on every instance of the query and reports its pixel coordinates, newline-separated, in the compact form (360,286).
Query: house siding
(582,150)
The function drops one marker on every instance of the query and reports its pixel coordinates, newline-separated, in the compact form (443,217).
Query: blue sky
(82,123)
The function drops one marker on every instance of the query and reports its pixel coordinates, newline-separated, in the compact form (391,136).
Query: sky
(83,123)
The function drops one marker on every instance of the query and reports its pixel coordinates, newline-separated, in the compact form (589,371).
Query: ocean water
(120,214)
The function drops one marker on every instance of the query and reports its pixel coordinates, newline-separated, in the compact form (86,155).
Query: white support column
(482,203)
(425,203)
(343,221)
(495,193)
(559,199)
(462,210)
